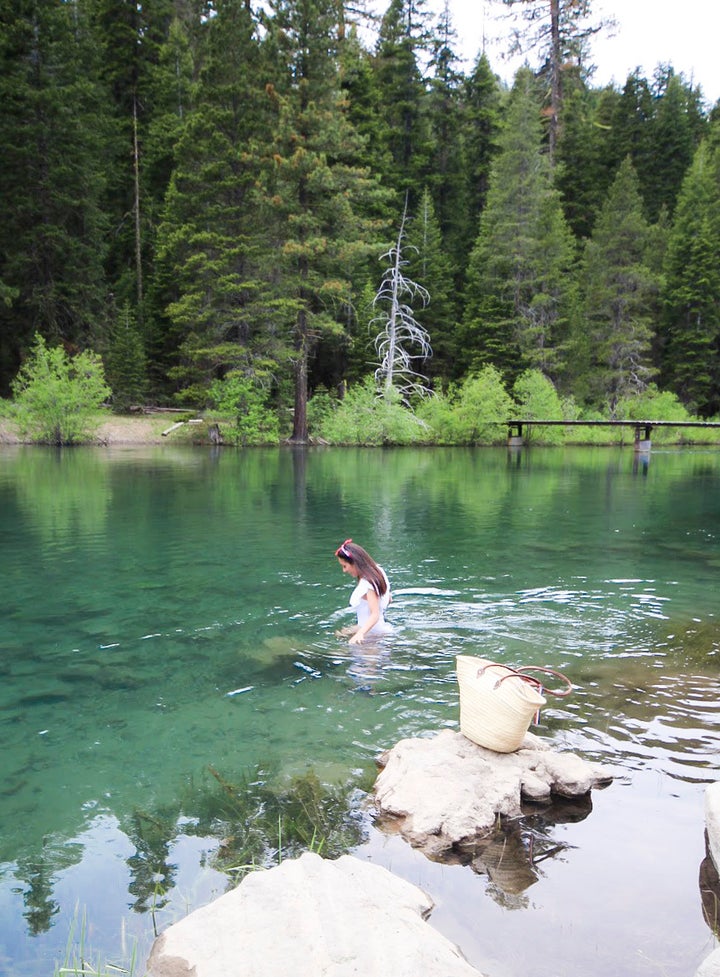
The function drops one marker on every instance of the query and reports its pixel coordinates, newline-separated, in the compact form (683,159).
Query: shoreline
(145,429)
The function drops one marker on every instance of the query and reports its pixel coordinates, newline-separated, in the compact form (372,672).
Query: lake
(168,647)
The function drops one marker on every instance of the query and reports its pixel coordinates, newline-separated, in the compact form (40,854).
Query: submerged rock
(444,791)
(307,917)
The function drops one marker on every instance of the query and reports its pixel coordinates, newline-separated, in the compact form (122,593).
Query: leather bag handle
(531,679)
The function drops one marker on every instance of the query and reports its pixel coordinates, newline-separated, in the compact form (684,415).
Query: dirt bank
(115,429)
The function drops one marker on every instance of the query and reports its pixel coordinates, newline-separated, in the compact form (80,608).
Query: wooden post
(515,438)
(643,444)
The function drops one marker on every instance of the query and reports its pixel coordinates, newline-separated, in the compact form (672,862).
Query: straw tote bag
(497,703)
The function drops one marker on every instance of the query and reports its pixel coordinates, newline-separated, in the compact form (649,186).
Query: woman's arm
(374,604)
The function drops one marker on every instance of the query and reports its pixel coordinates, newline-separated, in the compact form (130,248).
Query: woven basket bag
(498,703)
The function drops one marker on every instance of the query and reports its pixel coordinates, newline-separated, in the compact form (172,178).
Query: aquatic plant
(77,962)
(264,824)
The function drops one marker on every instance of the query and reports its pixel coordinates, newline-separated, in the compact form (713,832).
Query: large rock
(712,821)
(446,790)
(710,967)
(311,918)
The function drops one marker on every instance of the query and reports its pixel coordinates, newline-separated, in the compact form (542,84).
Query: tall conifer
(519,287)
(618,290)
(691,322)
(402,45)
(429,266)
(213,244)
(53,131)
(318,196)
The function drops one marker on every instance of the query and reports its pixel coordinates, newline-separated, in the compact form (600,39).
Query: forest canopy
(218,199)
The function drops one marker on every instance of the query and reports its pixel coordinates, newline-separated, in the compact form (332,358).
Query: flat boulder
(311,916)
(444,790)
(712,821)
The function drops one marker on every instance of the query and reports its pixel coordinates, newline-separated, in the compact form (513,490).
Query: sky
(649,32)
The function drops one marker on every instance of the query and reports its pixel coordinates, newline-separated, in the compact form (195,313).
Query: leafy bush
(245,401)
(536,397)
(476,412)
(57,396)
(364,418)
(656,405)
(319,408)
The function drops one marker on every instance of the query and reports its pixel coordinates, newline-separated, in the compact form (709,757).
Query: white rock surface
(445,789)
(710,967)
(311,917)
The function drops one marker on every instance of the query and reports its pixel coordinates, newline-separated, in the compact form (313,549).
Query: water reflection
(512,854)
(709,881)
(168,613)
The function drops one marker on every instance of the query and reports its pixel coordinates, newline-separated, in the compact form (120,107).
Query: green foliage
(232,177)
(536,397)
(482,100)
(691,326)
(364,418)
(320,407)
(619,291)
(57,396)
(126,366)
(429,265)
(474,412)
(245,400)
(520,285)
(54,129)
(663,405)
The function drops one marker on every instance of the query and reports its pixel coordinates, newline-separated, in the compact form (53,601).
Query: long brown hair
(367,567)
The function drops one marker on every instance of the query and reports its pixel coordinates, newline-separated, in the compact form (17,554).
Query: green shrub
(245,402)
(475,412)
(57,396)
(363,417)
(319,408)
(537,398)
(656,405)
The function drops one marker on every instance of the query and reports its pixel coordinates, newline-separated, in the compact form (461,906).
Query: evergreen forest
(277,208)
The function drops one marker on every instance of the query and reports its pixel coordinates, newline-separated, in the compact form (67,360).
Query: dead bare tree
(402,340)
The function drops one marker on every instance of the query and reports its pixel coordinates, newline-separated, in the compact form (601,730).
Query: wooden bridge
(643,429)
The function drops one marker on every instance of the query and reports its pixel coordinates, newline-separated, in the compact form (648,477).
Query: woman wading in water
(371,596)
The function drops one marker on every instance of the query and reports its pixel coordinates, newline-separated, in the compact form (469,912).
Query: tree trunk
(300,428)
(555,78)
(136,209)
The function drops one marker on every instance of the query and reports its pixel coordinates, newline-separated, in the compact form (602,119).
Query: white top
(363,608)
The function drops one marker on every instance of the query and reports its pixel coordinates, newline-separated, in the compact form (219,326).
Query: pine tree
(519,286)
(691,321)
(481,121)
(618,291)
(579,171)
(53,130)
(130,37)
(560,30)
(213,243)
(318,196)
(429,266)
(447,180)
(629,133)
(674,132)
(125,363)
(403,38)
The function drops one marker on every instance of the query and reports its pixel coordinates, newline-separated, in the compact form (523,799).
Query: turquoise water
(171,611)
